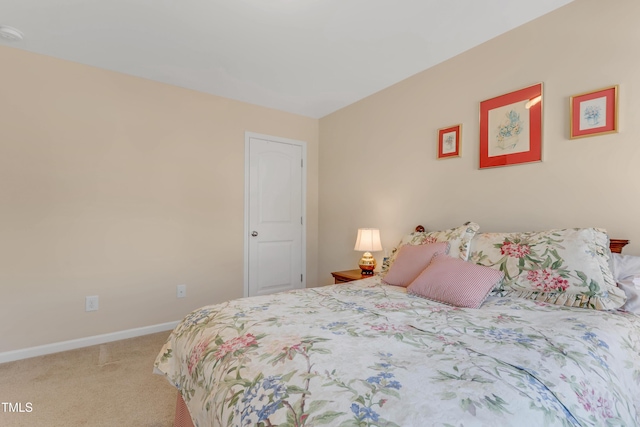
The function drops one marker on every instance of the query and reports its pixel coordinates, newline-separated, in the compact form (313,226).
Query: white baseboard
(10,356)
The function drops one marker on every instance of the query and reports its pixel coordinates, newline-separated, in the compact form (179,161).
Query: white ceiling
(309,57)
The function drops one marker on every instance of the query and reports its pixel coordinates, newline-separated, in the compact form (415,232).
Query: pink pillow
(411,260)
(455,282)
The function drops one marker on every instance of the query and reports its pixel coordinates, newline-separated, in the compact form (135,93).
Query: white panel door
(275,216)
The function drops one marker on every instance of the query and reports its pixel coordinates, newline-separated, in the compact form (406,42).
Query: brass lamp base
(367,264)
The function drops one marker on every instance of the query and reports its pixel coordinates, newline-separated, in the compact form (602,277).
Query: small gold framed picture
(594,113)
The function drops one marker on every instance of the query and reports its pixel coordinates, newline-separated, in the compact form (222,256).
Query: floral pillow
(458,238)
(566,267)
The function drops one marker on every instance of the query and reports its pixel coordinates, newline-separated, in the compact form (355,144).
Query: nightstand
(349,276)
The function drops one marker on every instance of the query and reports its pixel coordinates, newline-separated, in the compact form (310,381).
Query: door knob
(254,233)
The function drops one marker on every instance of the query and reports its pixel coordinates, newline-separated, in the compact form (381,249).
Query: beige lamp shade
(368,241)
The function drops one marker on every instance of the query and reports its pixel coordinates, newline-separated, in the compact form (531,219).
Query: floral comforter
(368,354)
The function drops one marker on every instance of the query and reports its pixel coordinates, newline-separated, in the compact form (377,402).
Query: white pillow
(626,272)
(631,287)
(624,266)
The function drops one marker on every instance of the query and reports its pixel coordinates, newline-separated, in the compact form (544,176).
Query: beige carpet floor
(106,385)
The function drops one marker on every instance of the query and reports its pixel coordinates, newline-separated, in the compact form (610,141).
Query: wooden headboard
(616,245)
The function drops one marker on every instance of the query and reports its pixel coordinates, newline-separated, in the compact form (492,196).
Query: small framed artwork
(449,142)
(511,128)
(594,113)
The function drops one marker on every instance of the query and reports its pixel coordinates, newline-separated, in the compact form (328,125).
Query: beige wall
(378,164)
(121,187)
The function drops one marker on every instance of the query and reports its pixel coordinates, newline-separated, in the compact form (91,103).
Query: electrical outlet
(91,303)
(181,291)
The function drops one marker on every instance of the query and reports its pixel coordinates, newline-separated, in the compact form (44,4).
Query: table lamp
(368,241)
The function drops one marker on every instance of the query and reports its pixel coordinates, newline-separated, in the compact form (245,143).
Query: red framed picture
(511,128)
(449,142)
(594,113)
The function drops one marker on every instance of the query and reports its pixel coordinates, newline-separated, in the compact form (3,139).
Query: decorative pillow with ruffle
(565,267)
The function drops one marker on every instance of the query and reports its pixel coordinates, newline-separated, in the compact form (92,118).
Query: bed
(370,353)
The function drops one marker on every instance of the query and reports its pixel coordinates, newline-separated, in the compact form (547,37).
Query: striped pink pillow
(411,260)
(455,282)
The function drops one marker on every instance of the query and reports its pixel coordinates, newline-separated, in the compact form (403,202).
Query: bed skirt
(183,418)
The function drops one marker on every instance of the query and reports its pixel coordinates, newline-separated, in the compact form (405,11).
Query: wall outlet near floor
(181,291)
(91,303)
